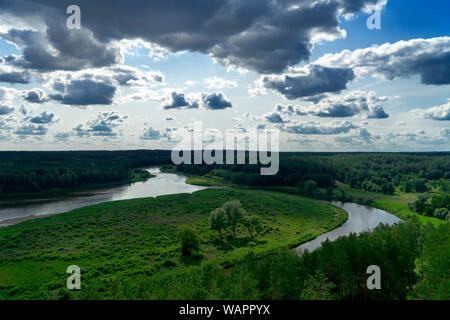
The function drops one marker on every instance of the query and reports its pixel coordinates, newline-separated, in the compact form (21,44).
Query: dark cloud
(377,112)
(215,101)
(263,35)
(179,101)
(83,92)
(5,110)
(43,118)
(31,130)
(71,49)
(314,81)
(210,101)
(104,124)
(34,96)
(21,77)
(274,117)
(336,127)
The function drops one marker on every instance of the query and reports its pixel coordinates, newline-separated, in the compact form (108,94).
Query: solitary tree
(235,214)
(218,220)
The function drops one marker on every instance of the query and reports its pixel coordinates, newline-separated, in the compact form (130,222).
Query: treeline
(41,171)
(375,172)
(337,270)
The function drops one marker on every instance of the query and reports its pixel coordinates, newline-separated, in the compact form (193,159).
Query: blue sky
(136,80)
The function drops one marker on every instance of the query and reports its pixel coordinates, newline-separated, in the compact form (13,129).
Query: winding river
(360,217)
(12,212)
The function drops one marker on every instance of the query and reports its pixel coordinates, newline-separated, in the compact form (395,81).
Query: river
(360,217)
(12,212)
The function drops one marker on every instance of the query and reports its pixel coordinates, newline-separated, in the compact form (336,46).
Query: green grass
(396,204)
(135,238)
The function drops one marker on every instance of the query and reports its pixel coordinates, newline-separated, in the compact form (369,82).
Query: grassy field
(139,238)
(396,204)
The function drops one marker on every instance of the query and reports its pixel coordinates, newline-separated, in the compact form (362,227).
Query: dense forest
(40,171)
(426,174)
(375,172)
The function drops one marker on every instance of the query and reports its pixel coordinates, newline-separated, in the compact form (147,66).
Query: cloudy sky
(137,72)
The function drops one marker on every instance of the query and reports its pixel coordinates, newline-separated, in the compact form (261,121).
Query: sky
(138,74)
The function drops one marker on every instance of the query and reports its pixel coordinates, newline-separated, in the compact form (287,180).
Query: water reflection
(360,218)
(162,184)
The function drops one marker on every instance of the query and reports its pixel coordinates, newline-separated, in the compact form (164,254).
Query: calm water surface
(360,218)
(164,183)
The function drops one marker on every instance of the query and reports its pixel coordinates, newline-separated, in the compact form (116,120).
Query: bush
(190,244)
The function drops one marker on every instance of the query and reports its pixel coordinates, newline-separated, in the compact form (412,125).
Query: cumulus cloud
(428,58)
(312,127)
(150,134)
(215,101)
(210,101)
(219,83)
(275,117)
(42,118)
(104,124)
(31,130)
(262,35)
(35,95)
(440,113)
(83,89)
(130,76)
(341,106)
(309,81)
(178,100)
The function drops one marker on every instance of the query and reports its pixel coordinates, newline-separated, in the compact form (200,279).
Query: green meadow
(139,238)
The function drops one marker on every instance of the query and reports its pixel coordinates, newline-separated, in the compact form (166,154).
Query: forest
(41,171)
(317,175)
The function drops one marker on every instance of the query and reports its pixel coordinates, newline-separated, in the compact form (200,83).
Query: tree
(235,214)
(420,205)
(218,220)
(190,244)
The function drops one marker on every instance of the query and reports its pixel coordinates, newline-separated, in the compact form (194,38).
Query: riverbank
(124,239)
(140,174)
(396,204)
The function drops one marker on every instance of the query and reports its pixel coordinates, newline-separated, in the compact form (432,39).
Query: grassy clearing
(138,237)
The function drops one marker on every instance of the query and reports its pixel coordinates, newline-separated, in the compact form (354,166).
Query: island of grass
(139,239)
